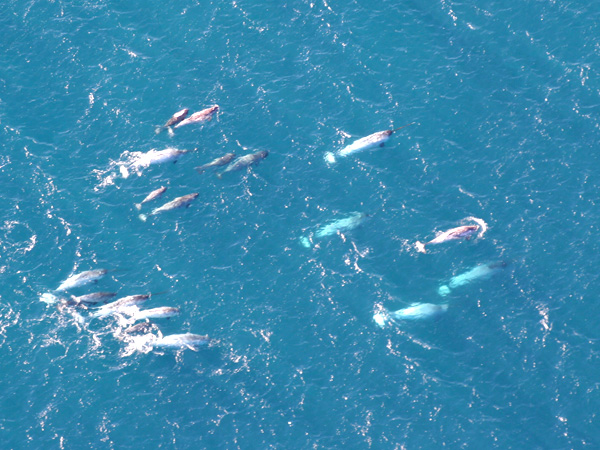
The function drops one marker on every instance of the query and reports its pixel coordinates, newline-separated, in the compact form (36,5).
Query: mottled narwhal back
(180,202)
(217,162)
(245,161)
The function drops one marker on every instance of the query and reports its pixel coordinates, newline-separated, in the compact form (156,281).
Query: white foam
(380,319)
(48,298)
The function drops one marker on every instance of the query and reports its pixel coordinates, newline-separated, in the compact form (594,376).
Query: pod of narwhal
(139,161)
(127,308)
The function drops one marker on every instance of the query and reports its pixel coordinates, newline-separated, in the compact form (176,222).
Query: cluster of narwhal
(134,321)
(127,309)
(415,311)
(138,161)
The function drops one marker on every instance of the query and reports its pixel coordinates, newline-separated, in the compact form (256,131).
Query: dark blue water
(505,100)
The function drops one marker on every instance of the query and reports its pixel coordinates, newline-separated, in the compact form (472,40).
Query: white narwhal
(416,311)
(182,341)
(337,226)
(161,312)
(139,161)
(481,272)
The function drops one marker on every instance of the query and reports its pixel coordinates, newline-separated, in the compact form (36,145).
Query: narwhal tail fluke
(157,130)
(138,206)
(420,247)
(143,217)
(330,157)
(171,132)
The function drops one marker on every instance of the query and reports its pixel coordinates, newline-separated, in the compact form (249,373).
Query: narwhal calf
(157,193)
(174,120)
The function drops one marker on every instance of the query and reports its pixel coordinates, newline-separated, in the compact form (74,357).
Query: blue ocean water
(505,100)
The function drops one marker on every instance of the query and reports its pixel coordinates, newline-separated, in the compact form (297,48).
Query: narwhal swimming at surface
(81,279)
(217,162)
(182,341)
(161,312)
(139,161)
(126,305)
(174,120)
(464,232)
(90,299)
(480,272)
(337,226)
(416,311)
(157,193)
(245,161)
(74,281)
(180,202)
(366,143)
(201,116)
